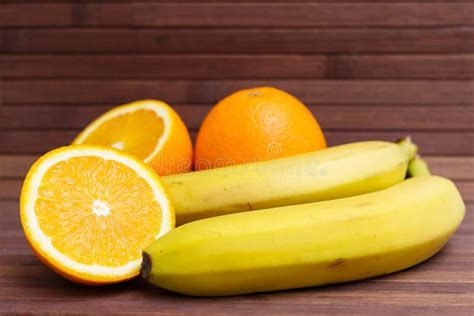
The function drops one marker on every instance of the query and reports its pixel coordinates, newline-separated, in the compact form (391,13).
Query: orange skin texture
(176,155)
(254,125)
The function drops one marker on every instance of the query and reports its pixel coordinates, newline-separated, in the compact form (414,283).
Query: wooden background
(367,70)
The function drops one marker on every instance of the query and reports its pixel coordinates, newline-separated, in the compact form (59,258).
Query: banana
(327,174)
(417,167)
(306,245)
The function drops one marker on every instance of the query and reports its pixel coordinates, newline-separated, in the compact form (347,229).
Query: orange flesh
(136,132)
(97,211)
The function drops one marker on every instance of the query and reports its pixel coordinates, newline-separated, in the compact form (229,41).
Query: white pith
(160,109)
(100,208)
(44,242)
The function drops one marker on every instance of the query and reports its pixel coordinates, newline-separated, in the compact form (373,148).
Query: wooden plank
(458,66)
(330,117)
(243,1)
(402,66)
(14,166)
(287,302)
(431,142)
(231,40)
(351,92)
(308,303)
(164,66)
(467,190)
(459,168)
(237,14)
(10,189)
(455,168)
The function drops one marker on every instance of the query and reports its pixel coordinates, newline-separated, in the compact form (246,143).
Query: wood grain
(457,66)
(431,142)
(10,189)
(374,92)
(368,69)
(329,116)
(457,168)
(237,14)
(230,40)
(225,1)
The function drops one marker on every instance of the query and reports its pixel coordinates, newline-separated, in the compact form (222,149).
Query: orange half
(89,211)
(148,129)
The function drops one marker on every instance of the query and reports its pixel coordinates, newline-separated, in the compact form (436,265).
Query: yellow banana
(332,173)
(306,245)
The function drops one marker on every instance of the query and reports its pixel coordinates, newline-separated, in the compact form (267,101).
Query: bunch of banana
(351,238)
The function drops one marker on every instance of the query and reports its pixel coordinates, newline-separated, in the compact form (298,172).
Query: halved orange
(148,129)
(89,211)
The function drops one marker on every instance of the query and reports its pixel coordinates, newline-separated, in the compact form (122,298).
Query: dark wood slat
(167,66)
(208,92)
(402,66)
(343,40)
(455,168)
(459,168)
(431,142)
(10,189)
(243,1)
(287,302)
(12,166)
(240,14)
(309,302)
(239,66)
(330,117)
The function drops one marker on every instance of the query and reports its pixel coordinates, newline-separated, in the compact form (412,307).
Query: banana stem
(408,147)
(417,167)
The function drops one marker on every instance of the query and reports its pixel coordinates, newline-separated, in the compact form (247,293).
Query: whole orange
(253,125)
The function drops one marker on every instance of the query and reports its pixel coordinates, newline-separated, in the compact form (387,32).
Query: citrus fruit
(89,211)
(253,125)
(148,129)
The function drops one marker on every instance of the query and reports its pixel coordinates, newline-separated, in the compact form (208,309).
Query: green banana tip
(418,167)
(146,265)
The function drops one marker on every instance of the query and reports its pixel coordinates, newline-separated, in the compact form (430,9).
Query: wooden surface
(367,70)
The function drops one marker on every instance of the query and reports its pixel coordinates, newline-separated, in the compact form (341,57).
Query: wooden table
(367,69)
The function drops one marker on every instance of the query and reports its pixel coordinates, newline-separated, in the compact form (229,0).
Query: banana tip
(146,266)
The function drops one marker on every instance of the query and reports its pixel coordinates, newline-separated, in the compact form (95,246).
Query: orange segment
(148,129)
(89,211)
